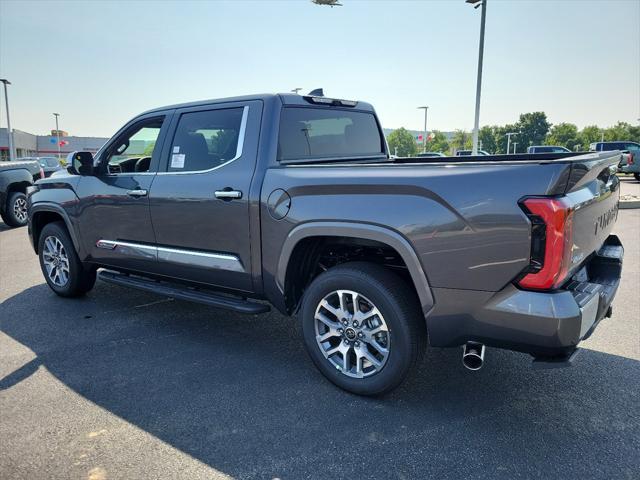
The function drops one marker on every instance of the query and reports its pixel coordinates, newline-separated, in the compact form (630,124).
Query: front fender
(362,231)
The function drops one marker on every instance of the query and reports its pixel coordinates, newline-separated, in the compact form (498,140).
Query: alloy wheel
(352,333)
(20,209)
(56,261)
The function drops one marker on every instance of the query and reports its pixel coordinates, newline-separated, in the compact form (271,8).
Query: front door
(200,203)
(115,222)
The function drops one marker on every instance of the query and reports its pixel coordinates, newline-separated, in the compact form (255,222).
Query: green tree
(622,131)
(402,143)
(148,149)
(564,135)
(487,139)
(438,142)
(532,129)
(461,141)
(589,135)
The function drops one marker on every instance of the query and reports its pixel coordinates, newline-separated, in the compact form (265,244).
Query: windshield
(49,162)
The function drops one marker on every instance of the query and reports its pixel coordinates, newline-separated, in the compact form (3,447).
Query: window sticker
(177,160)
(176,149)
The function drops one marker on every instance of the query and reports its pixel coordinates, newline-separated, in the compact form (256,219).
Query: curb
(629,201)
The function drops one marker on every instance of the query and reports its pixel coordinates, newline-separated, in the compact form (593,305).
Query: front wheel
(62,269)
(363,327)
(16,211)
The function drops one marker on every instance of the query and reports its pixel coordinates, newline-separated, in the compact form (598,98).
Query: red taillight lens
(630,159)
(41,172)
(557,216)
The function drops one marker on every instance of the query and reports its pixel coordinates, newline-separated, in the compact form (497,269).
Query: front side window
(325,133)
(205,140)
(132,152)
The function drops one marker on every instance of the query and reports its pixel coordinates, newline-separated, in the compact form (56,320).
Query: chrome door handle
(228,194)
(137,193)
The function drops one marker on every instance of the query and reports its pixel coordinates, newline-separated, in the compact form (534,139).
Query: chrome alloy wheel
(20,209)
(352,334)
(56,261)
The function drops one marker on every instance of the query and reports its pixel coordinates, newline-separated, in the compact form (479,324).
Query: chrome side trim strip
(218,261)
(239,147)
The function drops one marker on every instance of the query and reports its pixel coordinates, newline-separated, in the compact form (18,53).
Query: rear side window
(612,146)
(325,133)
(205,140)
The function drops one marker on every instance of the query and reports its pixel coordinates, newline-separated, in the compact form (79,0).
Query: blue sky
(100,63)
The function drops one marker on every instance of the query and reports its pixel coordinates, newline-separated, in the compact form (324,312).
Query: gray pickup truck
(15,177)
(293,201)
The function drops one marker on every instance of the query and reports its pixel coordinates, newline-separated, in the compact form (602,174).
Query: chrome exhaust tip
(473,355)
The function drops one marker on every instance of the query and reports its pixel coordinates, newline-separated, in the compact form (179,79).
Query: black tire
(79,279)
(401,310)
(636,176)
(14,215)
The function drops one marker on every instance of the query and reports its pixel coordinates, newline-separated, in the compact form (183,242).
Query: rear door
(199,202)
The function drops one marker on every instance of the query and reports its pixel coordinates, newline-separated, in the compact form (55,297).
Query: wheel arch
(42,214)
(355,231)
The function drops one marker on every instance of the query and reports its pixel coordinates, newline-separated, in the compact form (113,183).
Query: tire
(397,308)
(636,176)
(62,269)
(16,211)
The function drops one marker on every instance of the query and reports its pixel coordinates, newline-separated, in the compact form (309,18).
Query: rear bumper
(539,323)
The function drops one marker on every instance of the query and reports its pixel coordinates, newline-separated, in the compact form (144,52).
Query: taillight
(41,172)
(630,159)
(551,242)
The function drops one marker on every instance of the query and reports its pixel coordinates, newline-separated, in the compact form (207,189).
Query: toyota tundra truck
(294,202)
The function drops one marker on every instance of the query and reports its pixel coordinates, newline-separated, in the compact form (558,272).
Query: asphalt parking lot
(126,384)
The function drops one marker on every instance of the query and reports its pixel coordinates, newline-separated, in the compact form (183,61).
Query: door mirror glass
(80,163)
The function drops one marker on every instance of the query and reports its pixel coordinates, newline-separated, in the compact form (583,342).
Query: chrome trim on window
(218,261)
(239,147)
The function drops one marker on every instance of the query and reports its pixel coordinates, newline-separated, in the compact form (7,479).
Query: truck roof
(285,98)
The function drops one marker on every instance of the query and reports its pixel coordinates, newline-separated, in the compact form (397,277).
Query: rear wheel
(62,269)
(16,210)
(636,176)
(362,327)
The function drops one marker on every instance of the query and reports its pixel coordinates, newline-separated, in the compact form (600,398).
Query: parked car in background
(630,162)
(547,149)
(49,164)
(15,177)
(466,153)
(293,199)
(430,154)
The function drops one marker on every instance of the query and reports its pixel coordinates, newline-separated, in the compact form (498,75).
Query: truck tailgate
(593,190)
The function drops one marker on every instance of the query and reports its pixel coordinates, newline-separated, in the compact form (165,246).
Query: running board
(184,293)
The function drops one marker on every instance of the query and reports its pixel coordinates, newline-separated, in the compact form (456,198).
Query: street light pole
(12,152)
(476,123)
(509,140)
(424,137)
(296,90)
(57,133)
(515,144)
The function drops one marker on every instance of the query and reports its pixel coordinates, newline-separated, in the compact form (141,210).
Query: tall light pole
(296,90)
(57,134)
(12,152)
(476,123)
(509,140)
(424,137)
(515,144)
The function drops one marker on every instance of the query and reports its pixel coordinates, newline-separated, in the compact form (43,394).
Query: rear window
(326,133)
(612,146)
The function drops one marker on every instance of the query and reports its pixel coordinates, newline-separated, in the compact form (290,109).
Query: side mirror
(80,163)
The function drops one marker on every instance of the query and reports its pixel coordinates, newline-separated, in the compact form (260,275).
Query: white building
(30,145)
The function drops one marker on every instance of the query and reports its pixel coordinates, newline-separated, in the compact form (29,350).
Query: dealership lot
(126,384)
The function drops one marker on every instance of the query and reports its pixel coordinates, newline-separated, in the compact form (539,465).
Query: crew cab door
(113,211)
(200,202)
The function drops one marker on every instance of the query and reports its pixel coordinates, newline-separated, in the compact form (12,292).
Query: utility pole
(12,152)
(57,134)
(509,140)
(424,137)
(476,123)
